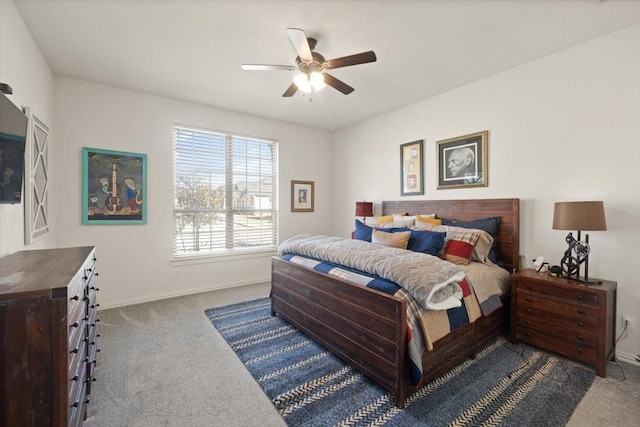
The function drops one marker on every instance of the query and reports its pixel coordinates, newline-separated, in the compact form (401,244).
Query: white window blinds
(225,192)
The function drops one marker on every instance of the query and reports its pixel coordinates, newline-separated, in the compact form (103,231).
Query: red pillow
(459,247)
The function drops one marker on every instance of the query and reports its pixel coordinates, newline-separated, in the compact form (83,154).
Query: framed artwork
(114,187)
(302,196)
(411,169)
(462,161)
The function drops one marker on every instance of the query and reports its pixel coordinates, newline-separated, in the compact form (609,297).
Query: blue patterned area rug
(505,384)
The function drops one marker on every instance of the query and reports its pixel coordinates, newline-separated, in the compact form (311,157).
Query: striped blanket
(430,325)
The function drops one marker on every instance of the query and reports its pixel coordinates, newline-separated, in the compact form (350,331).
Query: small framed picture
(302,196)
(462,161)
(411,169)
(113,187)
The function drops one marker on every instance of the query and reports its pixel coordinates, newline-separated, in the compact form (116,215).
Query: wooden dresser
(48,336)
(565,316)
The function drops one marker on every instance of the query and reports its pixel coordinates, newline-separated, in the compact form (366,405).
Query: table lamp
(364,209)
(580,216)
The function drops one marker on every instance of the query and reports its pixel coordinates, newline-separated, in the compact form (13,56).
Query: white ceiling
(192,50)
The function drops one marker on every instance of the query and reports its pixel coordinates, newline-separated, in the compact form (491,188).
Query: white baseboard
(626,357)
(166,295)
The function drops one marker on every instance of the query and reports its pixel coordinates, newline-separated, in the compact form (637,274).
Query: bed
(367,328)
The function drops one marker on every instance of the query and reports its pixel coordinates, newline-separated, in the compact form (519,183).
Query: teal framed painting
(114,187)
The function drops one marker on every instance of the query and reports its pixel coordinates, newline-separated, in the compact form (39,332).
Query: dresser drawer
(530,303)
(580,351)
(571,295)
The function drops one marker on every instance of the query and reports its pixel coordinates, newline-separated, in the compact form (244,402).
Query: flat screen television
(13,139)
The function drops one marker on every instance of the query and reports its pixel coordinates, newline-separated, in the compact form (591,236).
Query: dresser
(565,316)
(48,318)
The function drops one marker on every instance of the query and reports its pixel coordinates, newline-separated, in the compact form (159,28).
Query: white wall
(134,259)
(562,128)
(22,67)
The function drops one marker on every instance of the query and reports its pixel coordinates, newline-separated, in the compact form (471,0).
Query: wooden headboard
(508,241)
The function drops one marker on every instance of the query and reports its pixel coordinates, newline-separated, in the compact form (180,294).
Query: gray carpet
(163,364)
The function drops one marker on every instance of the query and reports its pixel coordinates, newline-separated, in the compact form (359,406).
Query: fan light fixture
(310,83)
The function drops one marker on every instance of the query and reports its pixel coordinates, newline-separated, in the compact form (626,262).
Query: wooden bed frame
(367,328)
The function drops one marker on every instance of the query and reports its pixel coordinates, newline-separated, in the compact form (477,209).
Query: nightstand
(564,316)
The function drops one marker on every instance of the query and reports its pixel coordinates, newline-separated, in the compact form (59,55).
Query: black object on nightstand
(564,316)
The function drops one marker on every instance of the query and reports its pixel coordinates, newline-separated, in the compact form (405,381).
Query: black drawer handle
(85,277)
(580,324)
(95,305)
(580,311)
(580,337)
(75,378)
(77,297)
(528,323)
(529,287)
(75,404)
(580,297)
(94,288)
(75,324)
(579,350)
(98,335)
(528,299)
(75,350)
(89,269)
(97,274)
(94,258)
(528,333)
(86,401)
(529,310)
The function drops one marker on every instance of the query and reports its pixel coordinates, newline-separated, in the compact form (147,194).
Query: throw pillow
(394,240)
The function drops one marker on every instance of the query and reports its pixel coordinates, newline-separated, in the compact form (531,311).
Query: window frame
(227,253)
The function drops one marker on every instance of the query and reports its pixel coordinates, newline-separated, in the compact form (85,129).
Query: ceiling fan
(312,66)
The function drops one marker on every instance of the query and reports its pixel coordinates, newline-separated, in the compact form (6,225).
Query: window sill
(192,259)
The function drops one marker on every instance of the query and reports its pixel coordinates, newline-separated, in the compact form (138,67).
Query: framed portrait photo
(114,187)
(462,161)
(302,196)
(411,169)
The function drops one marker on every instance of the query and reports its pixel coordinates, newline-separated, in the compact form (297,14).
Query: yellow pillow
(428,219)
(394,240)
(384,219)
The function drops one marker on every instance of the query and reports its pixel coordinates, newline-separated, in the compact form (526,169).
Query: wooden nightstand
(564,316)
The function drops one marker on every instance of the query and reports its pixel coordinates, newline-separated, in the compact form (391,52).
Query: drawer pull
(529,310)
(97,274)
(580,311)
(579,350)
(75,324)
(85,277)
(89,269)
(86,401)
(75,350)
(580,337)
(95,305)
(528,299)
(75,404)
(94,258)
(94,288)
(580,324)
(75,378)
(528,323)
(580,297)
(77,297)
(528,287)
(528,333)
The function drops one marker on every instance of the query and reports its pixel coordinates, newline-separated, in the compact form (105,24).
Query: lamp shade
(584,216)
(364,209)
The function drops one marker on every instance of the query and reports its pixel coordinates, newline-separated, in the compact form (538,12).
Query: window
(225,193)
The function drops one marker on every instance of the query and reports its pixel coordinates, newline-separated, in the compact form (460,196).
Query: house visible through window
(225,192)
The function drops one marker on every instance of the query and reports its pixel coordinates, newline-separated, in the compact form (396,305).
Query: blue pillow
(428,242)
(363,231)
(490,225)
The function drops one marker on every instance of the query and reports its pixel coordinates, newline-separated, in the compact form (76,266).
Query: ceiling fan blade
(299,40)
(345,61)
(262,67)
(337,84)
(291,90)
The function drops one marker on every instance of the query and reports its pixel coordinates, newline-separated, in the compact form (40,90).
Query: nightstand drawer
(572,332)
(531,304)
(579,351)
(571,295)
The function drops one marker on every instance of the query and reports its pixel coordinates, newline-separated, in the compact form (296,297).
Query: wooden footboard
(364,327)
